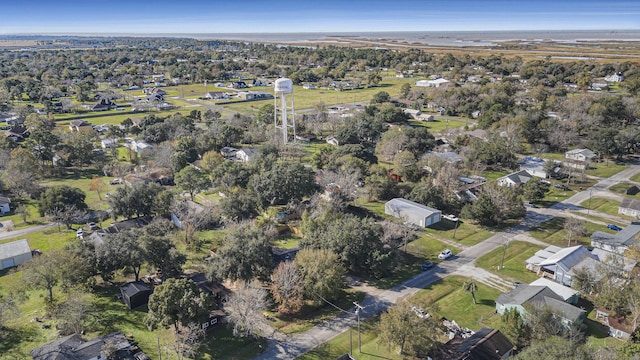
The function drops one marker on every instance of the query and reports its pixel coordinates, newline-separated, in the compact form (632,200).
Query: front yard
(514,257)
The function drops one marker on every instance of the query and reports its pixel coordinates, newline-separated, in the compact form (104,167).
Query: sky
(295,16)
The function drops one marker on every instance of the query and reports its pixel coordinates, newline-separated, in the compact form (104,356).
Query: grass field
(441,124)
(447,295)
(553,233)
(467,234)
(428,247)
(602,205)
(621,189)
(514,267)
(605,169)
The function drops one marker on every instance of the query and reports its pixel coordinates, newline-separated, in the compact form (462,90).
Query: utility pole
(358,308)
(503,254)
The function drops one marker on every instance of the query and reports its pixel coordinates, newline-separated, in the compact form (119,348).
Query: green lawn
(514,267)
(493,175)
(636,177)
(621,188)
(429,247)
(447,295)
(605,169)
(467,234)
(602,205)
(553,233)
(555,195)
(440,124)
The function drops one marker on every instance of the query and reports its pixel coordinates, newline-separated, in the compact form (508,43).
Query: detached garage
(412,212)
(14,253)
(135,294)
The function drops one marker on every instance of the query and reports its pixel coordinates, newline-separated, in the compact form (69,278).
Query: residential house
(135,294)
(217,95)
(75,125)
(228,152)
(4,205)
(412,212)
(17,133)
(617,77)
(332,140)
(246,155)
(413,113)
(515,179)
(431,83)
(426,117)
(567,294)
(579,158)
(103,104)
(308,86)
(630,207)
(73,347)
(484,344)
(155,91)
(619,242)
(109,143)
(238,85)
(254,95)
(527,295)
(619,326)
(534,166)
(560,264)
(139,146)
(14,253)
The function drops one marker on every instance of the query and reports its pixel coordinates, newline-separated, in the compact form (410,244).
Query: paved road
(23,232)
(376,301)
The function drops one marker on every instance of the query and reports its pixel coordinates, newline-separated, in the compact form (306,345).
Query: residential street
(24,231)
(376,301)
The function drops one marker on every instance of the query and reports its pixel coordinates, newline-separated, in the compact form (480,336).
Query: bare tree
(73,313)
(245,308)
(287,287)
(66,215)
(574,227)
(187,340)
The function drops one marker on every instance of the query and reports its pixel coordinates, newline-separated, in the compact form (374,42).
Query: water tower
(283,108)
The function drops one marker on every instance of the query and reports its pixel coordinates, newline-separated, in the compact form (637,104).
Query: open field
(553,233)
(466,233)
(605,169)
(514,267)
(602,205)
(429,247)
(452,303)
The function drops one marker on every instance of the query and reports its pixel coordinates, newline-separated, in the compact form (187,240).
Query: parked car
(445,254)
(614,227)
(451,217)
(517,283)
(80,233)
(92,226)
(561,187)
(427,265)
(115,181)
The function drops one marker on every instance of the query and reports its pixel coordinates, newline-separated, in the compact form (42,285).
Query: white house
(217,95)
(534,166)
(412,212)
(138,146)
(426,117)
(109,143)
(614,78)
(630,207)
(432,83)
(4,205)
(515,179)
(619,242)
(14,253)
(246,155)
(582,155)
(332,140)
(412,112)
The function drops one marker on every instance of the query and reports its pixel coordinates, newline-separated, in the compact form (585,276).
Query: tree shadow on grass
(11,338)
(486,302)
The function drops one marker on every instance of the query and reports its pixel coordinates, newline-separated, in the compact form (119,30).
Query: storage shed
(135,294)
(14,253)
(412,212)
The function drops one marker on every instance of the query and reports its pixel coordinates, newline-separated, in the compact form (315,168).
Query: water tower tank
(283,86)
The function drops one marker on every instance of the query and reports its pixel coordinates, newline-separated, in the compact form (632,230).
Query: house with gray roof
(14,253)
(515,179)
(4,205)
(534,166)
(630,207)
(527,295)
(73,347)
(567,294)
(484,344)
(412,212)
(560,264)
(619,242)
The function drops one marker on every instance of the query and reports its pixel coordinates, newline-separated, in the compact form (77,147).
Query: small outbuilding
(412,212)
(4,205)
(14,253)
(135,294)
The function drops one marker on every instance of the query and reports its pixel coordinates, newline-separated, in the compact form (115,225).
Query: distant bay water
(435,38)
